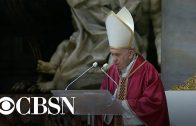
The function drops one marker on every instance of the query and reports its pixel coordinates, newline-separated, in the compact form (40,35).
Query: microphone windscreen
(105,67)
(95,64)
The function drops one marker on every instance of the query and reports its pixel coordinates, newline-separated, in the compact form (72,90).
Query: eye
(113,54)
(6,105)
(118,54)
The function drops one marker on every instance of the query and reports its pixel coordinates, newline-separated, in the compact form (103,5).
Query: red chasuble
(145,93)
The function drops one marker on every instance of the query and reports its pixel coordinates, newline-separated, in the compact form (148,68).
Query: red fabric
(145,93)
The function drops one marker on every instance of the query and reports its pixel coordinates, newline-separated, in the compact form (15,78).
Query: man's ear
(131,52)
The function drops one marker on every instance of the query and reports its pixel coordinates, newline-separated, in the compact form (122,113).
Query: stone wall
(178,41)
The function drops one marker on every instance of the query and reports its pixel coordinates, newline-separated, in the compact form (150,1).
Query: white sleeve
(129,117)
(108,119)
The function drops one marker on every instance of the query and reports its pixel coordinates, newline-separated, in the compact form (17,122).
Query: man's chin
(120,68)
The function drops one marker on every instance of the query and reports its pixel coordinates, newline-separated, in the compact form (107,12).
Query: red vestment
(145,93)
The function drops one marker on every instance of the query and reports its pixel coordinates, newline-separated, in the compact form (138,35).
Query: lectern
(92,102)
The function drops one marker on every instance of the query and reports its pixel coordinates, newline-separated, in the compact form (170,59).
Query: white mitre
(120,29)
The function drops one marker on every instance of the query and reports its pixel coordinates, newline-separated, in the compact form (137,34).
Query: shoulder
(150,67)
(145,64)
(147,68)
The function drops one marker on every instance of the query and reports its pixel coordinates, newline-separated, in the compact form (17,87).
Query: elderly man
(138,84)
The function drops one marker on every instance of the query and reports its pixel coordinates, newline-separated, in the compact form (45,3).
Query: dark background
(31,30)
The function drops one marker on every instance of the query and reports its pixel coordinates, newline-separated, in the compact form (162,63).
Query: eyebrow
(115,53)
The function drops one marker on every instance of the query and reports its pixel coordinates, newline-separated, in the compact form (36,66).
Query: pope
(139,87)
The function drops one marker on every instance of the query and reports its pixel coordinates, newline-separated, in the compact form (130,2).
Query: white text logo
(53,106)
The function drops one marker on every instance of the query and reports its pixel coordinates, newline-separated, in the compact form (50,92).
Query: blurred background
(29,30)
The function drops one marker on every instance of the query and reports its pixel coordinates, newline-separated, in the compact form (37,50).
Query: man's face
(121,57)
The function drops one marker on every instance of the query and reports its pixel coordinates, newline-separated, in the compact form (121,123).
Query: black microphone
(95,64)
(105,68)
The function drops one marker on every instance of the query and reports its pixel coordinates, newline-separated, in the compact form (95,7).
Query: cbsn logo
(7,105)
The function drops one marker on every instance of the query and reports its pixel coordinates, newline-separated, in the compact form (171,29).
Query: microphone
(103,69)
(95,64)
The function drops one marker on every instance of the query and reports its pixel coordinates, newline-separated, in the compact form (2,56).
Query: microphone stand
(94,65)
(115,92)
(90,118)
